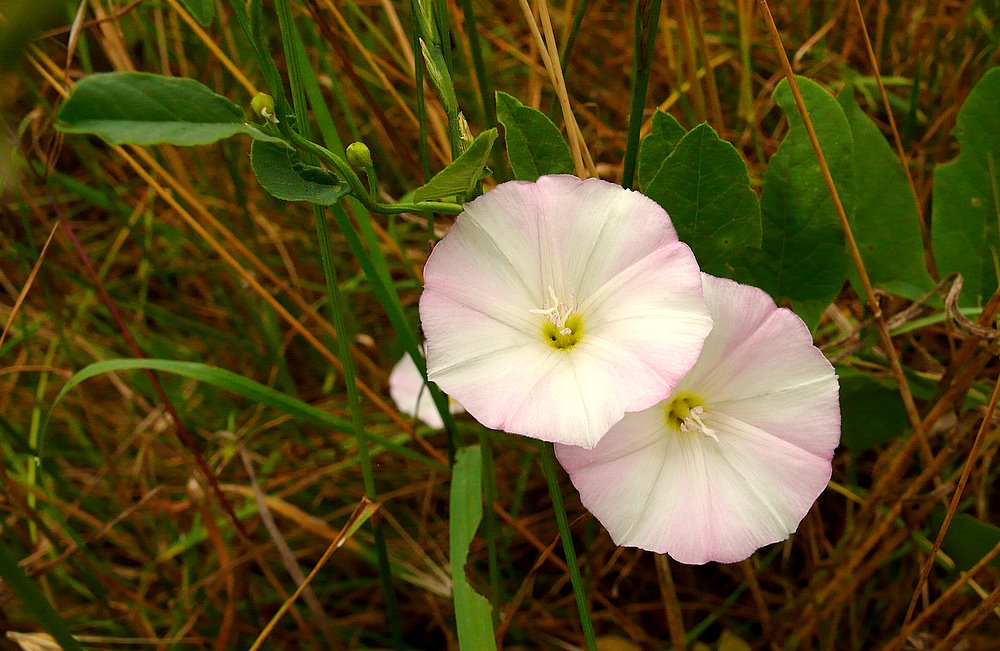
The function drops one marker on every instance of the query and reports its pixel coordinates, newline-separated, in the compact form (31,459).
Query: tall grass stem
(298,68)
(550,468)
(647,19)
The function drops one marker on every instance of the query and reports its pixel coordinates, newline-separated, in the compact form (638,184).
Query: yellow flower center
(686,414)
(563,325)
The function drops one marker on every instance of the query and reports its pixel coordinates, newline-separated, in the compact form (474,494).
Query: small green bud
(359,156)
(263,105)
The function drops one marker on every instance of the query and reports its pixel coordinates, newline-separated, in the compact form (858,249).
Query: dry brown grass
(204,266)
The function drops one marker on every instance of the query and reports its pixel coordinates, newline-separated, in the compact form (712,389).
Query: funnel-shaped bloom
(737,454)
(409,392)
(552,308)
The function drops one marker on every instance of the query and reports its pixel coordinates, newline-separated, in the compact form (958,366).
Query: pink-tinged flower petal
(591,231)
(408,391)
(654,328)
(748,473)
(617,476)
(594,251)
(786,386)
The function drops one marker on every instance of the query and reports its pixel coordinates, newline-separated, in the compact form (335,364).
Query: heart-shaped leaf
(535,146)
(966,202)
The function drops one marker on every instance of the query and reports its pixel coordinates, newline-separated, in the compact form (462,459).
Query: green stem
(297,70)
(358,189)
(444,33)
(549,466)
(581,9)
(354,403)
(647,18)
(447,90)
(264,59)
(454,134)
(418,80)
(489,109)
(372,175)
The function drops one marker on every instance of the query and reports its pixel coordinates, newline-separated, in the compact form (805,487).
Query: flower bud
(359,156)
(263,105)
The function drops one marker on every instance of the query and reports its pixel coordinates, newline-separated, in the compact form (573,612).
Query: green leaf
(143,109)
(966,204)
(803,254)
(886,223)
(36,604)
(704,187)
(276,174)
(535,146)
(872,413)
(462,174)
(202,10)
(967,539)
(656,146)
(241,386)
(472,610)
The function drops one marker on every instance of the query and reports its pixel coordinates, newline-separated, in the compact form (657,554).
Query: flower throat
(686,415)
(563,325)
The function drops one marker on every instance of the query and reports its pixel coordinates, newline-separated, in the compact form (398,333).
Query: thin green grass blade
(239,385)
(574,29)
(444,32)
(248,15)
(549,468)
(472,610)
(388,298)
(333,142)
(438,58)
(488,106)
(202,10)
(647,19)
(299,70)
(13,340)
(369,254)
(418,79)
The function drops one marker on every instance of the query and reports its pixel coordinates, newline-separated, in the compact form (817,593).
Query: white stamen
(558,312)
(694,423)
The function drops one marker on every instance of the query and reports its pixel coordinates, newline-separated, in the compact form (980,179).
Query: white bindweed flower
(409,392)
(737,454)
(552,308)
